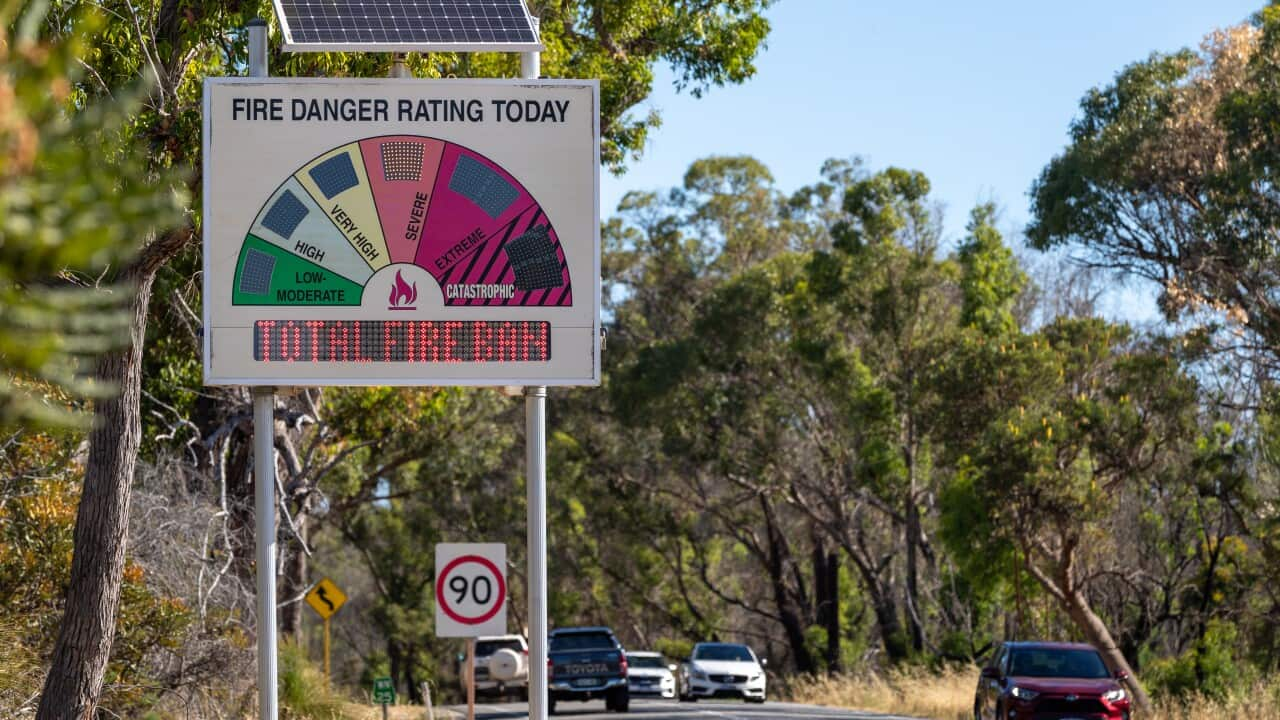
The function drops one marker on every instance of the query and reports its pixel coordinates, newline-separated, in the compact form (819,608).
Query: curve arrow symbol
(324,598)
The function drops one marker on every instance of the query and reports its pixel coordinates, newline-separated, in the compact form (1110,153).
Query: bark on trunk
(891,634)
(1095,631)
(779,553)
(913,571)
(833,612)
(74,683)
(294,580)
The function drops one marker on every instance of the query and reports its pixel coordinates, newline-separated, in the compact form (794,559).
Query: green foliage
(36,531)
(1210,668)
(69,209)
(303,692)
(991,279)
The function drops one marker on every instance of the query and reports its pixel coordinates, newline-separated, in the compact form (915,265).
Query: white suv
(486,682)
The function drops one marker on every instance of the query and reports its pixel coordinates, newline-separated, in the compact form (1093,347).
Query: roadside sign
(471,589)
(325,598)
(401,232)
(384,691)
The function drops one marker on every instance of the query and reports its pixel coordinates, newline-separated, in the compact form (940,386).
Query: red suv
(1049,681)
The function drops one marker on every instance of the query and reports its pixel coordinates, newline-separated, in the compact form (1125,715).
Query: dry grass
(1260,702)
(948,695)
(940,695)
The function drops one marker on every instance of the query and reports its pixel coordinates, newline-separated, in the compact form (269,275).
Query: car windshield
(582,641)
(645,661)
(1058,662)
(485,648)
(738,653)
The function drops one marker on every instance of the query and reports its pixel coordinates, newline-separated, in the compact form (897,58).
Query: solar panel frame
(447,34)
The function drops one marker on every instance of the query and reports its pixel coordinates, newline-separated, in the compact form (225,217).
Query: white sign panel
(471,589)
(401,232)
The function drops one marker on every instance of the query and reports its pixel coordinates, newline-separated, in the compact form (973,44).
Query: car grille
(728,678)
(1062,705)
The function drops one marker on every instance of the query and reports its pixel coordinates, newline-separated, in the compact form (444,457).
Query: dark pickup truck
(586,663)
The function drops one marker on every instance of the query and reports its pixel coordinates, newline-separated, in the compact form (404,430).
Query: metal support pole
(264,478)
(535,417)
(327,680)
(398,68)
(264,509)
(535,438)
(471,678)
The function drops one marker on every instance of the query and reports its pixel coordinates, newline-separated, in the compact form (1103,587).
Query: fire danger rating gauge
(471,589)
(411,206)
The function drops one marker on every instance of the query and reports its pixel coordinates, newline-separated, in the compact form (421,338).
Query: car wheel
(756,701)
(523,694)
(551,706)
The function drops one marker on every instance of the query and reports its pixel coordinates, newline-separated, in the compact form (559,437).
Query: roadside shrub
(1208,670)
(303,692)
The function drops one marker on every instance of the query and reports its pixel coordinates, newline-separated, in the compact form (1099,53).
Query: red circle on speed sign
(500,596)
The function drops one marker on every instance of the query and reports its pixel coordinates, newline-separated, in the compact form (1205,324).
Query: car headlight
(1023,694)
(1114,695)
(699,675)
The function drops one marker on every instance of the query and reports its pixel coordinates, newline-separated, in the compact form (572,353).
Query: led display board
(401,232)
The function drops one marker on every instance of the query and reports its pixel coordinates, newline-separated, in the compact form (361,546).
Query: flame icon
(403,295)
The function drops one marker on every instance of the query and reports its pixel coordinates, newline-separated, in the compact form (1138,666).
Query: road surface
(670,710)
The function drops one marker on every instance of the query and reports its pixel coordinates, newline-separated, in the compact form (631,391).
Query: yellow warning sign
(325,598)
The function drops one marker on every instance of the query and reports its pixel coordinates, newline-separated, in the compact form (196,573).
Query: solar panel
(404,25)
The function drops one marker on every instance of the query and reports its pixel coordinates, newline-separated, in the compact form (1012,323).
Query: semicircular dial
(402,200)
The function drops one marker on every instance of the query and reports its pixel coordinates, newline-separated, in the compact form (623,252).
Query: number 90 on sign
(470,589)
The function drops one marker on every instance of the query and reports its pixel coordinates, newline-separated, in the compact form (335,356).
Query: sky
(978,95)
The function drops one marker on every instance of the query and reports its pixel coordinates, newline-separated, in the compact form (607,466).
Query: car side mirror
(1121,675)
(991,672)
(672,667)
(764,662)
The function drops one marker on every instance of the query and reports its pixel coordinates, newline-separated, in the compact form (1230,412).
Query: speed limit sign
(471,589)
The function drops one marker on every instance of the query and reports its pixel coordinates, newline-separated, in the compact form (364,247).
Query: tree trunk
(833,612)
(787,614)
(1095,631)
(74,684)
(891,634)
(294,579)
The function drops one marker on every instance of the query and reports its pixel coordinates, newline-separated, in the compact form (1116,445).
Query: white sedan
(717,670)
(649,674)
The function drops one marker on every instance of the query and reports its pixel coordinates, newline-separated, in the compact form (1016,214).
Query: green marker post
(384,693)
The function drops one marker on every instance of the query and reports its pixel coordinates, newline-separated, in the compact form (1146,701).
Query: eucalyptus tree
(1169,177)
(1085,414)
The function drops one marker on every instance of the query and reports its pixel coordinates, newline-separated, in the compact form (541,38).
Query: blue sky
(976,94)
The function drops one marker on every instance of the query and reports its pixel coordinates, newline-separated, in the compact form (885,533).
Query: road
(670,710)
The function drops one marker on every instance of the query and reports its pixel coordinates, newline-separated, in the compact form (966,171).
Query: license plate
(583,682)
